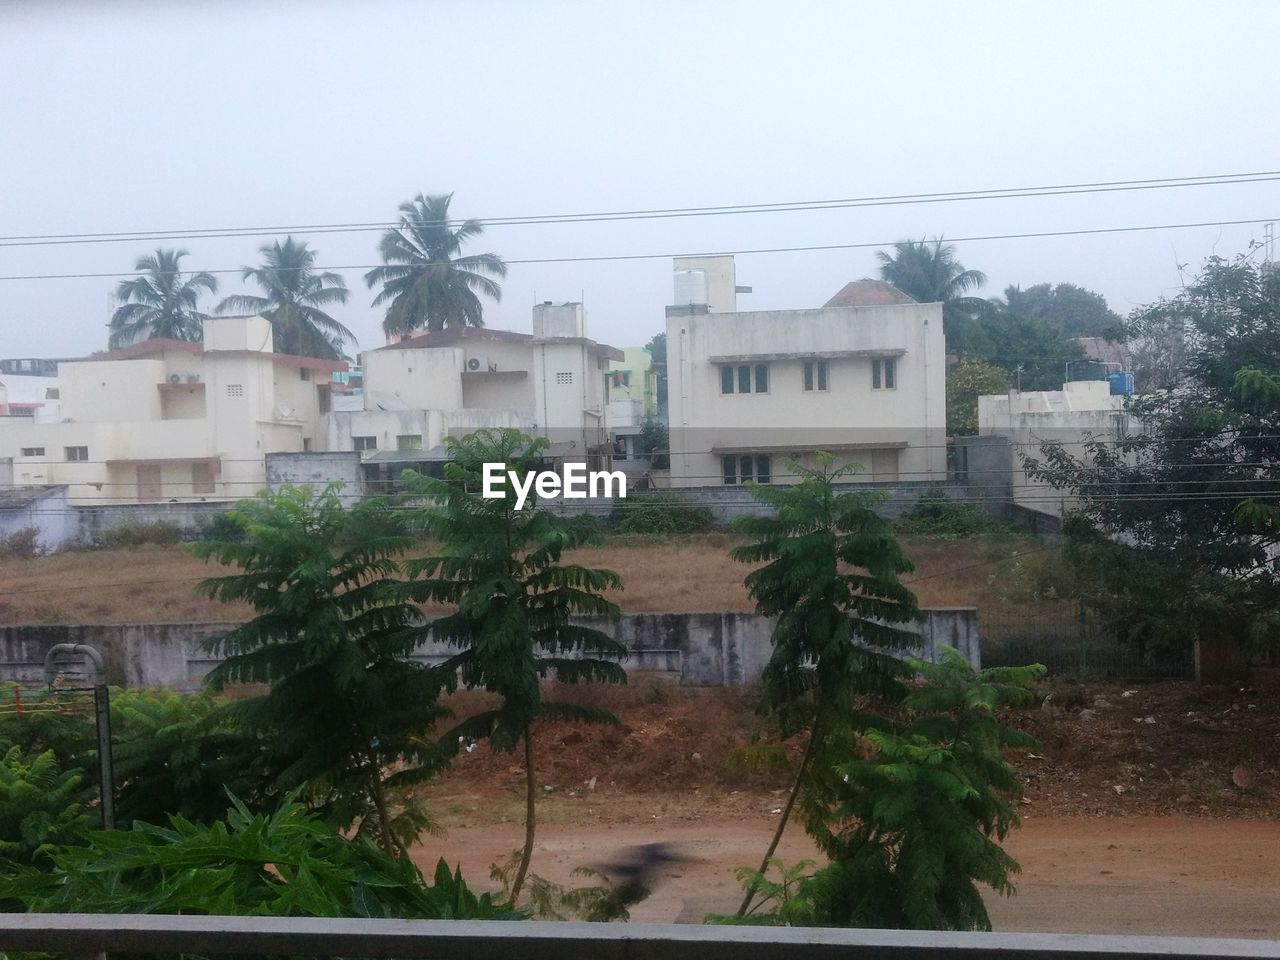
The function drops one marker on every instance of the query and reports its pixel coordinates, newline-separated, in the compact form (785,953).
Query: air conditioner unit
(193,378)
(175,378)
(479,364)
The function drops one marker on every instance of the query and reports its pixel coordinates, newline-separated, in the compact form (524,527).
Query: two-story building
(862,378)
(172,419)
(551,383)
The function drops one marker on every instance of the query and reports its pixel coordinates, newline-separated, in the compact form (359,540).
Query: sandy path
(1171,876)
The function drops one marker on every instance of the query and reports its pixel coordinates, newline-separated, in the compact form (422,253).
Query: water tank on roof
(691,287)
(1121,383)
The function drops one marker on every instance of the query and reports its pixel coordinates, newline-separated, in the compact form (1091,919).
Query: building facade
(862,378)
(173,420)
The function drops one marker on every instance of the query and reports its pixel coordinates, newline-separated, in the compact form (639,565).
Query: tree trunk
(531,787)
(786,814)
(387,838)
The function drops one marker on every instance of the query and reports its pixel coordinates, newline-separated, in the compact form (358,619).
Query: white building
(170,419)
(1081,411)
(450,382)
(862,377)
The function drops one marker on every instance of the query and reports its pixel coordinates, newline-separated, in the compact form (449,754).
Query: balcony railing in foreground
(88,935)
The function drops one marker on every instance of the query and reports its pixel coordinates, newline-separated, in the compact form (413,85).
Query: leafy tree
(655,442)
(829,577)
(930,273)
(42,807)
(294,295)
(1168,535)
(968,380)
(657,347)
(1032,351)
(1068,310)
(163,303)
(425,284)
(333,634)
(286,864)
(513,597)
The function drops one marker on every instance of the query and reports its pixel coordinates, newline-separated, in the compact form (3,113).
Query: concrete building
(170,419)
(862,377)
(1082,410)
(551,383)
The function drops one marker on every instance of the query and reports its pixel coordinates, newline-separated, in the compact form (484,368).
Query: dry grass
(677,575)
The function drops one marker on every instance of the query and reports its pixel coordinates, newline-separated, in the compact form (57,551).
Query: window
(364,443)
(33,451)
(79,454)
(739,379)
(409,441)
(304,373)
(741,468)
(202,478)
(235,389)
(564,377)
(884,373)
(815,376)
(620,378)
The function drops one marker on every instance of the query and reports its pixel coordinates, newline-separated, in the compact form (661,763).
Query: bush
(660,512)
(42,807)
(22,544)
(223,525)
(136,533)
(937,515)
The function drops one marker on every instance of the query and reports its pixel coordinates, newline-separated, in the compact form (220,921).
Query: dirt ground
(1170,876)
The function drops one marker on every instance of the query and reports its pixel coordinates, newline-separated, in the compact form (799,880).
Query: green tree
(829,575)
(513,600)
(162,303)
(1068,310)
(333,634)
(285,864)
(654,442)
(42,808)
(425,284)
(1168,535)
(294,298)
(930,273)
(1032,351)
(968,380)
(657,347)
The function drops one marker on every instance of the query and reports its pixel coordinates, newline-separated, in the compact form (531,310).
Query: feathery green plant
(42,807)
(513,600)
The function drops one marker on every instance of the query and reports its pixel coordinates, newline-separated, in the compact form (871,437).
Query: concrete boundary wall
(698,649)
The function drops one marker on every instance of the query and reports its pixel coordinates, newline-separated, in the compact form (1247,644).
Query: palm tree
(930,273)
(424,283)
(294,295)
(160,304)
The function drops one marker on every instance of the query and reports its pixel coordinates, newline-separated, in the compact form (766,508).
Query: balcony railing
(87,935)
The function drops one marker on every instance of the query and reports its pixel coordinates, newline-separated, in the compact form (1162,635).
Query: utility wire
(999,193)
(719,253)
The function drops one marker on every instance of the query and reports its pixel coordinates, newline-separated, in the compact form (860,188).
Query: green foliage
(222,525)
(1068,310)
(162,302)
(137,533)
(655,443)
(425,284)
(660,512)
(500,571)
(288,863)
(22,544)
(937,515)
(42,808)
(657,347)
(778,902)
(968,380)
(599,902)
(830,578)
(930,273)
(1174,536)
(333,635)
(1035,354)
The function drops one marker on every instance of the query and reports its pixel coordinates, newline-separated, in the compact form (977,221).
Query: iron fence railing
(89,935)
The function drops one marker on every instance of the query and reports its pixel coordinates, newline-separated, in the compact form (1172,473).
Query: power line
(1095,231)
(999,193)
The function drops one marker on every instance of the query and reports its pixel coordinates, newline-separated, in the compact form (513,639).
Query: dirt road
(1171,876)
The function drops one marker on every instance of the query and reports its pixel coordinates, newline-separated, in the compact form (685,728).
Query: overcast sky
(120,116)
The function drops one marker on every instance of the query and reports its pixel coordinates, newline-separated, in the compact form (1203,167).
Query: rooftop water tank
(1121,383)
(691,287)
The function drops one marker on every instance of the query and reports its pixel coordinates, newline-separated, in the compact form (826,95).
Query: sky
(139,117)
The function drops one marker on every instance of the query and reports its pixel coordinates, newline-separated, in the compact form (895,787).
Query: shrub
(22,544)
(936,515)
(223,525)
(42,807)
(660,512)
(136,533)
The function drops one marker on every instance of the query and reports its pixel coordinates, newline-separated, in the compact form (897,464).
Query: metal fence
(1072,642)
(88,935)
